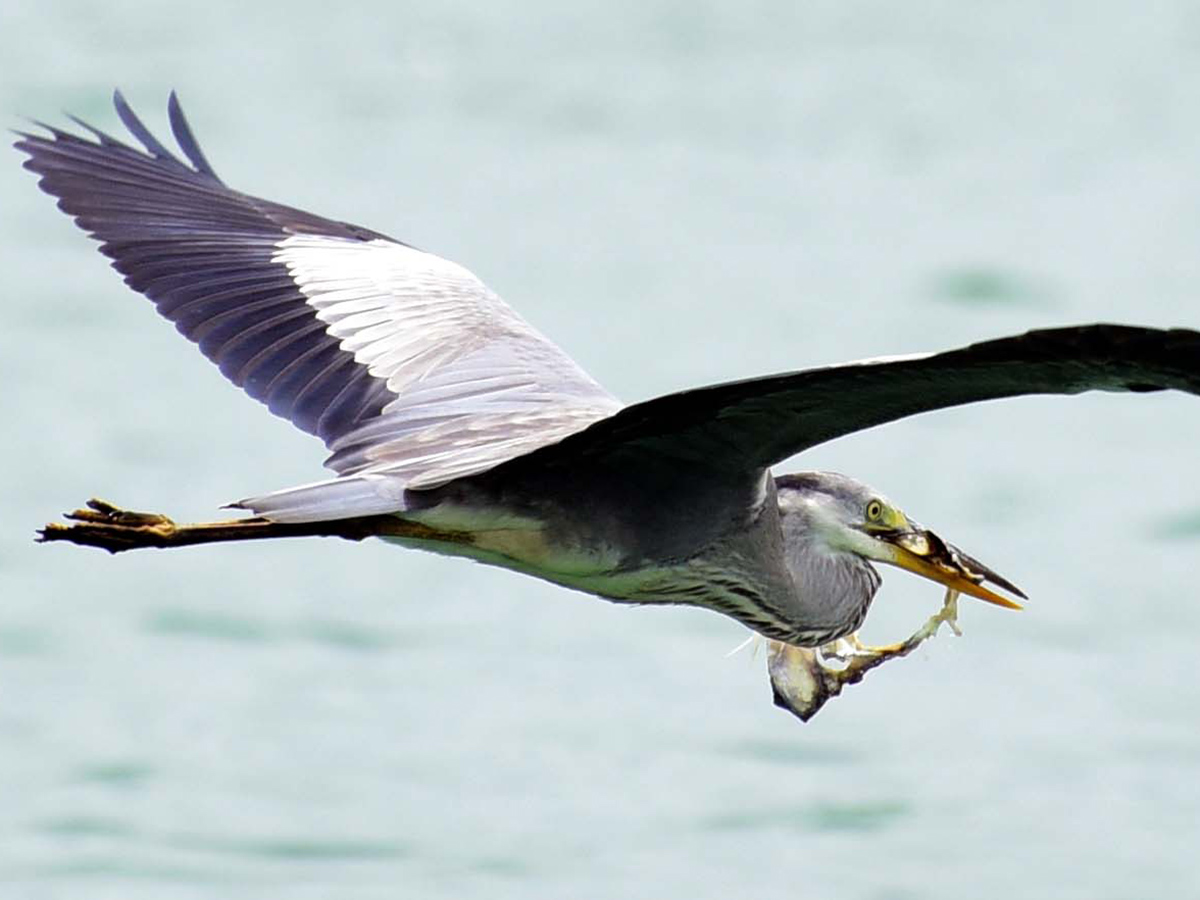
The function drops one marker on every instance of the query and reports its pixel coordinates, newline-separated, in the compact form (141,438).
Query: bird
(454,426)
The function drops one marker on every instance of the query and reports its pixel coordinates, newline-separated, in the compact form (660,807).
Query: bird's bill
(924,553)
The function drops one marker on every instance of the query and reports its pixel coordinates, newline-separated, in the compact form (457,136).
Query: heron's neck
(834,586)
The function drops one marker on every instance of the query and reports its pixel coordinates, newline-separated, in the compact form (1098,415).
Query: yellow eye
(874,511)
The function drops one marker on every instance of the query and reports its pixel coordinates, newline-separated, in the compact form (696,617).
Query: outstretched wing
(739,428)
(397,359)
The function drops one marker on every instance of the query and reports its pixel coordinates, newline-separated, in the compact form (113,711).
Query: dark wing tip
(187,141)
(28,142)
(131,121)
(179,128)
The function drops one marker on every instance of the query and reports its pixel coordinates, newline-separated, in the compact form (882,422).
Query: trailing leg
(114,529)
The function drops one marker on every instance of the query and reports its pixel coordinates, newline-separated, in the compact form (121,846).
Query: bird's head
(827,516)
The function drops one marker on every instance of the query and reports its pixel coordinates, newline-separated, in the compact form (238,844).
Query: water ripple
(17,641)
(294,848)
(982,286)
(209,625)
(793,752)
(855,817)
(86,827)
(1179,527)
(118,773)
(345,636)
(241,629)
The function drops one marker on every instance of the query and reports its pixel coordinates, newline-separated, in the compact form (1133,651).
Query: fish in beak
(924,553)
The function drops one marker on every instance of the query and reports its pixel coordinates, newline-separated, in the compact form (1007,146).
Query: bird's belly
(562,551)
(535,550)
(510,541)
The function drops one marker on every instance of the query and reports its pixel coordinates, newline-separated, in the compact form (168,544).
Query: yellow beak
(924,553)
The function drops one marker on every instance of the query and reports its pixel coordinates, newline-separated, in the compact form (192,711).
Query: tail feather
(335,498)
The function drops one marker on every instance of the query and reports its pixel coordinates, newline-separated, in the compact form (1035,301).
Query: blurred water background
(678,193)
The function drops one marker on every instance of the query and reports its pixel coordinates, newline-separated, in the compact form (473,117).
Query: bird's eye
(874,511)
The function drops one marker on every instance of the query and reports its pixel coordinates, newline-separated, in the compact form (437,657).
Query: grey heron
(454,426)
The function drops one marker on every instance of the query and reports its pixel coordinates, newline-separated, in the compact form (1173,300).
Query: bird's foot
(947,615)
(804,679)
(110,528)
(838,655)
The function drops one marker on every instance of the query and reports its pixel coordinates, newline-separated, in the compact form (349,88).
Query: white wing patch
(475,385)
(400,311)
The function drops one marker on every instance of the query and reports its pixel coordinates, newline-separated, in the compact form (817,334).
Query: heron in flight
(454,426)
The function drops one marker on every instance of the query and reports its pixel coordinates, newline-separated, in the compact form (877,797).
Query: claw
(101,524)
(104,512)
(805,679)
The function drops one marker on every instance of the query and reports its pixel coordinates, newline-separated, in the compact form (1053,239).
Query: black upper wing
(742,427)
